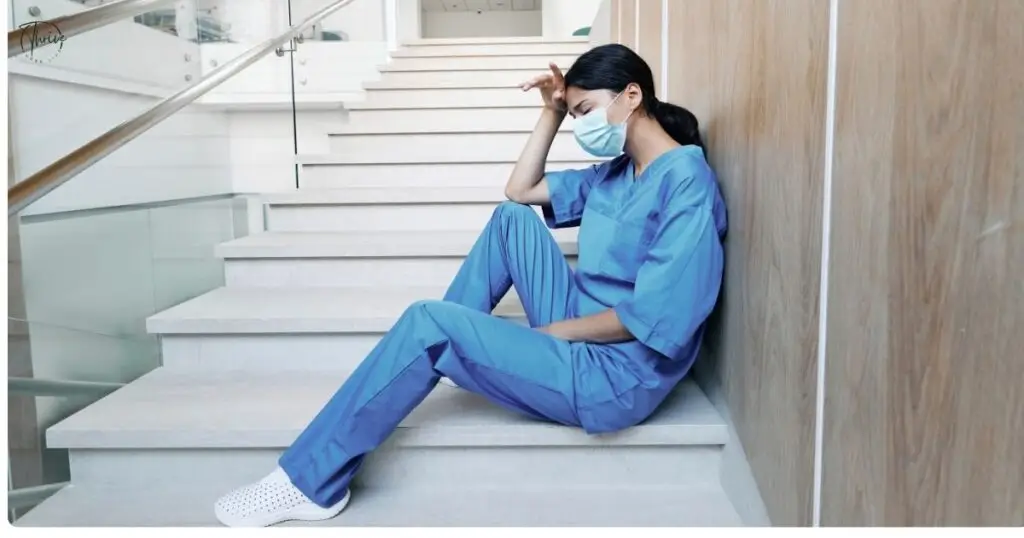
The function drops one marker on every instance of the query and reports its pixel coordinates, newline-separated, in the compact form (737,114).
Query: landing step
(397,244)
(288,310)
(166,506)
(168,409)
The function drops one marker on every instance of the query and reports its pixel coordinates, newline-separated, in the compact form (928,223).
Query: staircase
(382,220)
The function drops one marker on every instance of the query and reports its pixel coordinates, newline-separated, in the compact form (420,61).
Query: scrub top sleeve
(678,282)
(568,190)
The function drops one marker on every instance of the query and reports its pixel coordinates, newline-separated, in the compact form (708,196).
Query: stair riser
(457,79)
(266,352)
(411,467)
(539,63)
(455,120)
(540,49)
(350,272)
(356,218)
(338,176)
(435,506)
(466,98)
(444,148)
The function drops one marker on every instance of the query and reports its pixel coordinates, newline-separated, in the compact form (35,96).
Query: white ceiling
(481,5)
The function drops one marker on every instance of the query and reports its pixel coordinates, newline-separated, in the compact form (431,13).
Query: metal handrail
(26,497)
(81,22)
(59,387)
(41,183)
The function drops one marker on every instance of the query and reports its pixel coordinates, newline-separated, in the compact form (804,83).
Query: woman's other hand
(551,86)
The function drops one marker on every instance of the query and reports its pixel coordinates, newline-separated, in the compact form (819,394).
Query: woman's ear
(634,95)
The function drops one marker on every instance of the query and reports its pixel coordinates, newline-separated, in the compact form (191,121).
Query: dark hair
(613,67)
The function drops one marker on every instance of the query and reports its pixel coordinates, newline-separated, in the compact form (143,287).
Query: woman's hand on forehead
(551,86)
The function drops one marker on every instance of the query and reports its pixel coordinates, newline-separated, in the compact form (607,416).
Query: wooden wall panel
(616,20)
(627,23)
(924,393)
(649,38)
(755,75)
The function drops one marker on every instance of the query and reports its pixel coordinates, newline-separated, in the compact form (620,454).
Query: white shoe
(449,382)
(271,501)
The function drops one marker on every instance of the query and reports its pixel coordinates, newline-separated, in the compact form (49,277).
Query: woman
(608,342)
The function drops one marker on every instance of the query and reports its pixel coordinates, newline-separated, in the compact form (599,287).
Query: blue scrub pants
(514,366)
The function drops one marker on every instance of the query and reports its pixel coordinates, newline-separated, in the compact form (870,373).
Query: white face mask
(598,137)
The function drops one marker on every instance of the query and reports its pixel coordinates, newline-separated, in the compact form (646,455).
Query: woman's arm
(601,328)
(526,185)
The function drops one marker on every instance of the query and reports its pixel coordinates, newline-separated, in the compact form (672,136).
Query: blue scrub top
(649,247)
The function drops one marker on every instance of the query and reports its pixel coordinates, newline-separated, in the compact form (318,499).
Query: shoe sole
(310,512)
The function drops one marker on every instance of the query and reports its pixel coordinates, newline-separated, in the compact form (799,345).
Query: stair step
(516,41)
(199,435)
(464,62)
(407,96)
(455,51)
(290,327)
(460,79)
(77,506)
(368,210)
(287,310)
(446,147)
(377,195)
(328,172)
(443,120)
(374,245)
(362,258)
(181,410)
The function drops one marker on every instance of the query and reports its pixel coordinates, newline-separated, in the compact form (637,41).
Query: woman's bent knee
(513,210)
(434,310)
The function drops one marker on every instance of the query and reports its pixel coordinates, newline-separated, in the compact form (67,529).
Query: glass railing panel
(336,58)
(81,285)
(48,351)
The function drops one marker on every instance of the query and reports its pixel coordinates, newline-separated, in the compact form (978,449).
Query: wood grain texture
(925,364)
(627,23)
(616,20)
(648,43)
(755,75)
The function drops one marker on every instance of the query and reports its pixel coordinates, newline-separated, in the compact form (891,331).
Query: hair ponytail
(678,122)
(613,67)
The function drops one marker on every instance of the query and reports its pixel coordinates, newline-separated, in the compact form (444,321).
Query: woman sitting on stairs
(609,341)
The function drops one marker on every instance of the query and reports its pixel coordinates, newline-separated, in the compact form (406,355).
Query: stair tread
(334,158)
(494,41)
(167,506)
(413,68)
(169,409)
(241,310)
(402,243)
(557,49)
(380,195)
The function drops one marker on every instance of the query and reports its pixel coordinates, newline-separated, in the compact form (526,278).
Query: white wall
(601,28)
(563,17)
(124,50)
(184,156)
(440,24)
(251,21)
(409,14)
(362,20)
(328,69)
